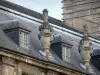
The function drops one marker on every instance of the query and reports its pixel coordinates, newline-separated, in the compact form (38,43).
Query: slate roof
(35,44)
(96,52)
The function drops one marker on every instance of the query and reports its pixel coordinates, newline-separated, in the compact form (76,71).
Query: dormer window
(62,48)
(18,32)
(66,53)
(24,39)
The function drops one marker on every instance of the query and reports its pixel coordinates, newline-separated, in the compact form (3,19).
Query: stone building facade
(77,13)
(32,43)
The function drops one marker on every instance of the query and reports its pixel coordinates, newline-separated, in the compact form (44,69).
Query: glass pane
(24,39)
(66,53)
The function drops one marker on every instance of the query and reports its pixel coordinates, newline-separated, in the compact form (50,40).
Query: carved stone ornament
(46,34)
(85,48)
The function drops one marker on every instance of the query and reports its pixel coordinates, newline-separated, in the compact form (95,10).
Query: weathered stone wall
(76,13)
(10,66)
(78,8)
(30,69)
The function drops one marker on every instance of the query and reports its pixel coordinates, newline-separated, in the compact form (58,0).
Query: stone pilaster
(8,66)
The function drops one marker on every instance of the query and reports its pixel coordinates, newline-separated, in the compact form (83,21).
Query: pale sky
(53,6)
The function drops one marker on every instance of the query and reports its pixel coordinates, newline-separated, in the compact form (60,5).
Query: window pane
(24,39)
(66,53)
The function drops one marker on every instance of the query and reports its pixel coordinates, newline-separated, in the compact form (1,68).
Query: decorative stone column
(8,66)
(85,48)
(46,34)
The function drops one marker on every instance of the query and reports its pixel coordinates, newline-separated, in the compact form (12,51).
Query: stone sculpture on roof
(85,48)
(46,34)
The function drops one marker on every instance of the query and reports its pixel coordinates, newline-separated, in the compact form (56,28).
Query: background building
(77,13)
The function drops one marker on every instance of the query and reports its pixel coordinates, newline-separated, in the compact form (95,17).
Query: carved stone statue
(46,34)
(85,48)
(85,39)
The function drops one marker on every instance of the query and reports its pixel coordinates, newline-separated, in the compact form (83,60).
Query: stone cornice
(39,63)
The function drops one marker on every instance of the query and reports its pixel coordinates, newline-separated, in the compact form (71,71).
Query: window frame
(25,39)
(66,52)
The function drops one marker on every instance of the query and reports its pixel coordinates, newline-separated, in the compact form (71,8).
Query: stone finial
(85,48)
(85,29)
(46,34)
(45,15)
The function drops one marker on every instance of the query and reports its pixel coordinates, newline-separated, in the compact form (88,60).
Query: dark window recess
(13,34)
(95,60)
(24,74)
(56,47)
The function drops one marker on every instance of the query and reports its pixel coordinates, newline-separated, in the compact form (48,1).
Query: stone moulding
(39,63)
